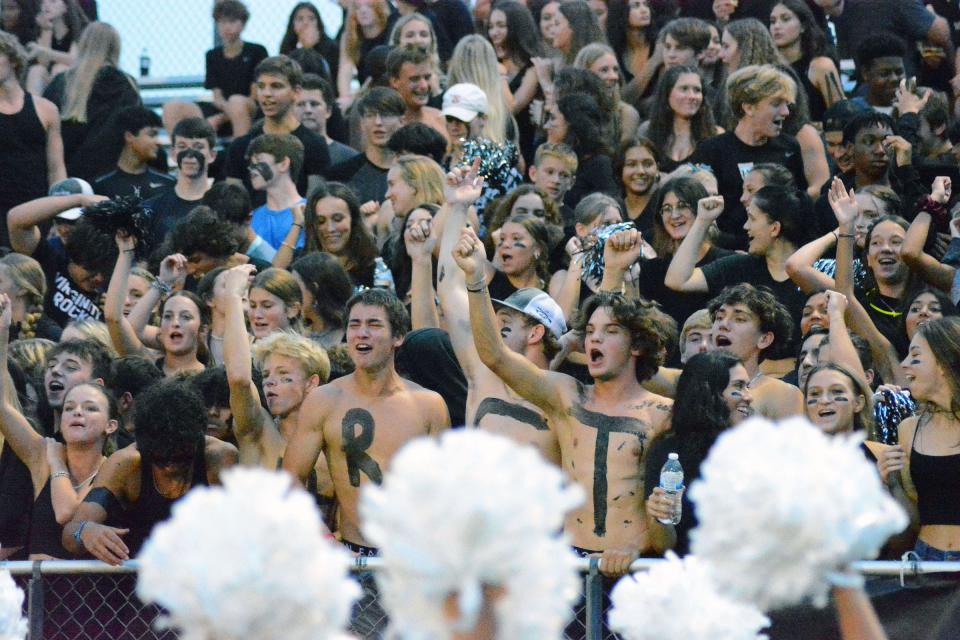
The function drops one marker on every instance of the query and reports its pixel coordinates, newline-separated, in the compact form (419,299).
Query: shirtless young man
(748,322)
(138,485)
(341,419)
(530,321)
(410,71)
(602,429)
(292,366)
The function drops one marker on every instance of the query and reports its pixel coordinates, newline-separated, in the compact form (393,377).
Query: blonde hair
(424,175)
(99,46)
(311,356)
(558,150)
(27,275)
(94,330)
(281,283)
(407,19)
(31,355)
(699,319)
(754,83)
(475,61)
(352,34)
(593,52)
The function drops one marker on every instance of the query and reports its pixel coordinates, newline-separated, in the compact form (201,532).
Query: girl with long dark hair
(712,395)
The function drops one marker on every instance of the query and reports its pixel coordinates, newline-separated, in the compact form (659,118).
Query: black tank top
(151,507)
(937,479)
(23,156)
(45,531)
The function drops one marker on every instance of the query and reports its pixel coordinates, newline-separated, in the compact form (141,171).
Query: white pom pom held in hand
(12,624)
(468,511)
(248,561)
(781,506)
(678,599)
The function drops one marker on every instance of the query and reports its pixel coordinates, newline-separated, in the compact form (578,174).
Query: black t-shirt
(233,76)
(166,210)
(316,160)
(731,159)
(678,306)
(733,270)
(366,179)
(144,185)
(886,316)
(594,174)
(65,300)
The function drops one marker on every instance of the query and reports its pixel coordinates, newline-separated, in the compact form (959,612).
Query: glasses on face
(680,207)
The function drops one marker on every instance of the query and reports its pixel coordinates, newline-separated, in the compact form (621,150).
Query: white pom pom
(12,624)
(248,561)
(782,505)
(678,599)
(473,508)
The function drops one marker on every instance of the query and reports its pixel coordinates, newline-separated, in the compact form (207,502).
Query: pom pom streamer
(678,599)
(468,511)
(781,506)
(496,160)
(121,214)
(272,576)
(12,624)
(593,254)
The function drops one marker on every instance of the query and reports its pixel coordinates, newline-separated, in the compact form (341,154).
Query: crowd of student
(615,228)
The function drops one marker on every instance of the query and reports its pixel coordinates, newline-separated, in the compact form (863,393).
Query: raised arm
(620,252)
(122,335)
(462,188)
(858,320)
(173,271)
(683,274)
(842,350)
(25,442)
(929,268)
(418,244)
(23,220)
(543,388)
(244,399)
(800,267)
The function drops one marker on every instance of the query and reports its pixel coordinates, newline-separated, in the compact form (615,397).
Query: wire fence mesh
(104,606)
(175,34)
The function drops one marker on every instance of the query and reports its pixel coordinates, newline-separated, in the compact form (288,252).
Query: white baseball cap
(464,102)
(70,187)
(538,305)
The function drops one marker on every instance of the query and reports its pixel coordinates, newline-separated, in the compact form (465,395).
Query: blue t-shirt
(273,226)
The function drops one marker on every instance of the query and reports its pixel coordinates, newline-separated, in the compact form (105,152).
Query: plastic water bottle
(671,481)
(144,63)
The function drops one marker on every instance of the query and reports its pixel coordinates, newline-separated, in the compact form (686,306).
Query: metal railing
(87,599)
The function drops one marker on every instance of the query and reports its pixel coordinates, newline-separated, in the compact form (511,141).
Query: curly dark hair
(772,316)
(881,44)
(572,80)
(231,201)
(90,248)
(132,374)
(170,421)
(206,232)
(586,132)
(700,412)
(650,329)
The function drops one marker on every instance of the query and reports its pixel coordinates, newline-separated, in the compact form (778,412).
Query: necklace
(179,481)
(78,487)
(754,379)
(889,311)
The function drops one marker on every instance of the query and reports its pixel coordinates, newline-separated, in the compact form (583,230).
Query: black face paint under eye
(263,169)
(193,154)
(519,244)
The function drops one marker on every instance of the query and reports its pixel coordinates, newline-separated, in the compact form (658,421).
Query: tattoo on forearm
(355,446)
(498,407)
(605,425)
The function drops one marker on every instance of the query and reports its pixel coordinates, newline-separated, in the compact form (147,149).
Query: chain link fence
(88,600)
(175,34)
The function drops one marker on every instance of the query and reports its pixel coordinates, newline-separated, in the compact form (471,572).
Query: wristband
(59,474)
(478,288)
(76,534)
(846,235)
(288,245)
(296,224)
(162,287)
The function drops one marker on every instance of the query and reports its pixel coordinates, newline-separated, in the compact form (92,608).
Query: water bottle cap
(674,456)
